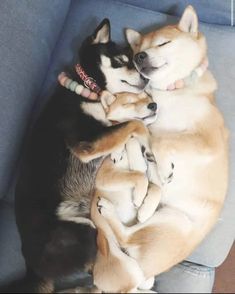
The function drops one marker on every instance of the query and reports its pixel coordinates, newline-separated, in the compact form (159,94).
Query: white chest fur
(123,199)
(178,111)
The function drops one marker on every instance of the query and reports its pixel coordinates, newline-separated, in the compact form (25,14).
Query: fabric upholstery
(216,11)
(186,277)
(11,261)
(221,43)
(38,39)
(29,31)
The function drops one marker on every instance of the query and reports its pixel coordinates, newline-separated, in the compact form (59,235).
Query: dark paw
(98,205)
(143,149)
(148,154)
(171,175)
(150,157)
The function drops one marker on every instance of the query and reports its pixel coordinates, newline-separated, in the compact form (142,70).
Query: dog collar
(196,73)
(89,82)
(74,86)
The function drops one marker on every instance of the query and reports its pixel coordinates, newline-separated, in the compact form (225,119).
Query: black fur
(53,248)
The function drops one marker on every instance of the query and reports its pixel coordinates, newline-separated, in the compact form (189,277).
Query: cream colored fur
(190,144)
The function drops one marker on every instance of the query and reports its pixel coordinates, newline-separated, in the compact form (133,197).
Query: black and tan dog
(56,176)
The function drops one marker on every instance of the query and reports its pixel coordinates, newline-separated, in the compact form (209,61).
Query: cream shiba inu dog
(123,181)
(121,178)
(190,144)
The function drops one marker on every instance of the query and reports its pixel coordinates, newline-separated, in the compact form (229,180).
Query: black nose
(152,106)
(140,57)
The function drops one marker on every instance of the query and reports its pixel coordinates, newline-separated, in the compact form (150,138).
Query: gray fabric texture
(29,31)
(186,277)
(37,41)
(216,11)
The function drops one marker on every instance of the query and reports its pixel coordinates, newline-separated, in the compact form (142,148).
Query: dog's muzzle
(140,57)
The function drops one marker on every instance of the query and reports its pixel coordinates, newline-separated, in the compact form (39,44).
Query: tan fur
(124,106)
(111,261)
(111,141)
(190,133)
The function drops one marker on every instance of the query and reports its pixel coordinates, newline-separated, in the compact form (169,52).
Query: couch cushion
(82,20)
(216,11)
(28,33)
(11,261)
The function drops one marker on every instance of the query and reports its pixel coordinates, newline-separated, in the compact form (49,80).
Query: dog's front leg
(113,139)
(135,156)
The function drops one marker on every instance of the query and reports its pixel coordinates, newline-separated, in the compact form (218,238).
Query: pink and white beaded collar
(196,73)
(90,89)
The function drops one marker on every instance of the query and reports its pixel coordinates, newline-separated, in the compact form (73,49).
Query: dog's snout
(152,106)
(140,57)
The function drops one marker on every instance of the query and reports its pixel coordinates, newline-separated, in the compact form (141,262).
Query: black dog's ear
(102,33)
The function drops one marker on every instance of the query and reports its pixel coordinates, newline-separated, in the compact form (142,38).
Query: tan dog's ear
(102,243)
(133,38)
(107,99)
(189,21)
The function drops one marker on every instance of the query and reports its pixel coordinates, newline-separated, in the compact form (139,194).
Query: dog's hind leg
(121,232)
(150,203)
(112,179)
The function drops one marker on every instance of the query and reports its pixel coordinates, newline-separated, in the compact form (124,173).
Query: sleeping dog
(122,179)
(64,151)
(190,144)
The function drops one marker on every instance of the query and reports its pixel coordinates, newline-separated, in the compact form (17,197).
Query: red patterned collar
(88,81)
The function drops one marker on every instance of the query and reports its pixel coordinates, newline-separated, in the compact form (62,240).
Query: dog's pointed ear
(107,99)
(133,38)
(189,21)
(102,32)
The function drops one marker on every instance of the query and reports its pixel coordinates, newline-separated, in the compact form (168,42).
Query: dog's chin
(148,71)
(147,120)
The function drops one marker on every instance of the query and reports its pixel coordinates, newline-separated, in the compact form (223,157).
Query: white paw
(166,173)
(143,215)
(117,155)
(105,207)
(140,191)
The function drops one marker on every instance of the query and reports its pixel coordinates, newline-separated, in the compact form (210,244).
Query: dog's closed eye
(164,43)
(121,59)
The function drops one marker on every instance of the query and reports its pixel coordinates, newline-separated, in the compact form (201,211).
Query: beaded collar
(90,89)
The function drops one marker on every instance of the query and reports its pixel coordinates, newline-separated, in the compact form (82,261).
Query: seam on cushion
(197,269)
(166,14)
(31,113)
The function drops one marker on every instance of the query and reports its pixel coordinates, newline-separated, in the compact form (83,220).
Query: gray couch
(38,39)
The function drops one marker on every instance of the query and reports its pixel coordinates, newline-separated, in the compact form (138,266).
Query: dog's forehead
(154,38)
(131,97)
(127,97)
